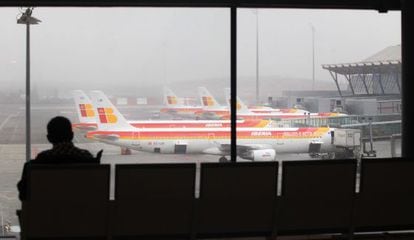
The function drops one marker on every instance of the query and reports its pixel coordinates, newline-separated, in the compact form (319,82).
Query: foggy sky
(133,49)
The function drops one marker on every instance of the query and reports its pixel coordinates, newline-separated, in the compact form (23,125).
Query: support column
(397,81)
(363,81)
(348,77)
(380,79)
(28,118)
(335,77)
(233,81)
(407,85)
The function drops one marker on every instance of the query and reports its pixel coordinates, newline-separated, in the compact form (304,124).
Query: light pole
(27,19)
(313,56)
(2,220)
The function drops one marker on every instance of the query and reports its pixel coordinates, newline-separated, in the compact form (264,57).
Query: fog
(136,51)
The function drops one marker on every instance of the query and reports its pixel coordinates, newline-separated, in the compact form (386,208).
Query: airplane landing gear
(125,151)
(223,159)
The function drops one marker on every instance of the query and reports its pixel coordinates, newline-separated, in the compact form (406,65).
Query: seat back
(386,198)
(317,196)
(153,200)
(237,198)
(66,201)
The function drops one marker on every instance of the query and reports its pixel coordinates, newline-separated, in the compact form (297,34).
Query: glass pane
(131,55)
(318,72)
(12,115)
(146,65)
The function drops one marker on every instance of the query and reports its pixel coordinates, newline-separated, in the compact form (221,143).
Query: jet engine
(259,155)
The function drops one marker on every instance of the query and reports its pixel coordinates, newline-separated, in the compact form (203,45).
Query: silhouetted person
(60,135)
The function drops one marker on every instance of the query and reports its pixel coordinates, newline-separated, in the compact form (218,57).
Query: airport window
(142,62)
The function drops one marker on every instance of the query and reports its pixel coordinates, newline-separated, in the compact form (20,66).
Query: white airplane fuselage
(208,141)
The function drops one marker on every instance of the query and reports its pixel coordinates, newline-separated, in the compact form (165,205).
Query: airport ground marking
(6,120)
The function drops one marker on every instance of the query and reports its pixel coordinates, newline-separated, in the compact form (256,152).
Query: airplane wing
(210,116)
(243,148)
(254,152)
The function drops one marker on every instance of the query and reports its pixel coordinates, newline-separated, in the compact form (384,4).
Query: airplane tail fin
(108,116)
(207,100)
(241,107)
(84,107)
(170,99)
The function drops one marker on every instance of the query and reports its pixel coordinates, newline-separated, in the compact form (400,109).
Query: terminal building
(374,84)
(371,98)
(373,87)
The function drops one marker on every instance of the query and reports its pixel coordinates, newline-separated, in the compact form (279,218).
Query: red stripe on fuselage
(172,124)
(207,134)
(177,124)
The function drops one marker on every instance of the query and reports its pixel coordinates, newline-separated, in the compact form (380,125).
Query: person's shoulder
(42,156)
(83,151)
(86,156)
(45,152)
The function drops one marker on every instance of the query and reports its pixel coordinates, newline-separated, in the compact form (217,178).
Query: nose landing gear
(223,159)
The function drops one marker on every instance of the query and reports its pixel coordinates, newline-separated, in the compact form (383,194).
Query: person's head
(59,129)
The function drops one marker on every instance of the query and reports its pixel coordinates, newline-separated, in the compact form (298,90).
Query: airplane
(244,112)
(213,110)
(266,109)
(209,103)
(85,111)
(176,107)
(87,117)
(257,144)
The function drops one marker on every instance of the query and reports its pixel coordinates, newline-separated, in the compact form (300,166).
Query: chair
(317,197)
(237,199)
(66,202)
(386,198)
(153,201)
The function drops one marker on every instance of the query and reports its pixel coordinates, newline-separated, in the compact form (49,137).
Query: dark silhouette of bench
(237,199)
(386,197)
(157,201)
(317,197)
(66,201)
(153,201)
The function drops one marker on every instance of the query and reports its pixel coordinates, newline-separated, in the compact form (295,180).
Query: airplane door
(180,147)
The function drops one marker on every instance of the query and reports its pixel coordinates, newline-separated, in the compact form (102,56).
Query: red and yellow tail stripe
(207,101)
(86,110)
(172,100)
(106,115)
